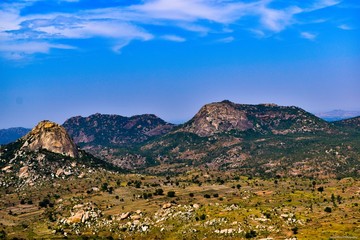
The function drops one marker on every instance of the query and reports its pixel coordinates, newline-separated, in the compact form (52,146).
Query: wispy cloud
(123,24)
(345,27)
(173,38)
(226,40)
(16,51)
(309,36)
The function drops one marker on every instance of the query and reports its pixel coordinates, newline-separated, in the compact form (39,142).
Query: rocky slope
(115,130)
(47,152)
(12,134)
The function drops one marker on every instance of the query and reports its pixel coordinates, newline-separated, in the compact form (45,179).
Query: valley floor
(195,205)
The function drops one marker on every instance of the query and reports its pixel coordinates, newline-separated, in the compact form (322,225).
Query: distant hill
(337,115)
(105,135)
(115,130)
(12,134)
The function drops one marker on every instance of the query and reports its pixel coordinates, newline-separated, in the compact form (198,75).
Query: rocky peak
(218,117)
(52,137)
(263,118)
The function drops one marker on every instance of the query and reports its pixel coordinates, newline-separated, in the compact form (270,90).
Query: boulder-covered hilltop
(52,137)
(225,116)
(45,153)
(115,130)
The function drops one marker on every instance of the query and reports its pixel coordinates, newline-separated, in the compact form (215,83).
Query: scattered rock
(76,218)
(7,168)
(59,172)
(24,172)
(135,217)
(196,206)
(124,215)
(166,206)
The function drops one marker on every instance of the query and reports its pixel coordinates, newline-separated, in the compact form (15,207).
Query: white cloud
(309,36)
(345,27)
(134,22)
(173,38)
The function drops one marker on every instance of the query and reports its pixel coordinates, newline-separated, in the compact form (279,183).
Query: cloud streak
(124,24)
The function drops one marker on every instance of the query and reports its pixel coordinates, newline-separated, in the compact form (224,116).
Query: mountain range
(258,140)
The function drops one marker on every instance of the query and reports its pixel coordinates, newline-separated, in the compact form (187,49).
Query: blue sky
(62,58)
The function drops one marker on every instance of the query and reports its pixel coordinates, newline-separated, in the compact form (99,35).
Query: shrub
(251,234)
(44,203)
(159,191)
(191,194)
(328,209)
(171,194)
(207,196)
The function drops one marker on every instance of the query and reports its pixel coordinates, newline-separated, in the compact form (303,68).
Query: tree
(320,189)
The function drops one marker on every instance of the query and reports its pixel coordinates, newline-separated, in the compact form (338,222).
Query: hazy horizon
(63,58)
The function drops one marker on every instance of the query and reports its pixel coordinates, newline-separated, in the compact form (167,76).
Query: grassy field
(205,205)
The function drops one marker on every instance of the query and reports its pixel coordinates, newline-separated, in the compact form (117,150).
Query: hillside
(352,124)
(12,134)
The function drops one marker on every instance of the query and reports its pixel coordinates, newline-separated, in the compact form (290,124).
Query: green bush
(328,209)
(171,194)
